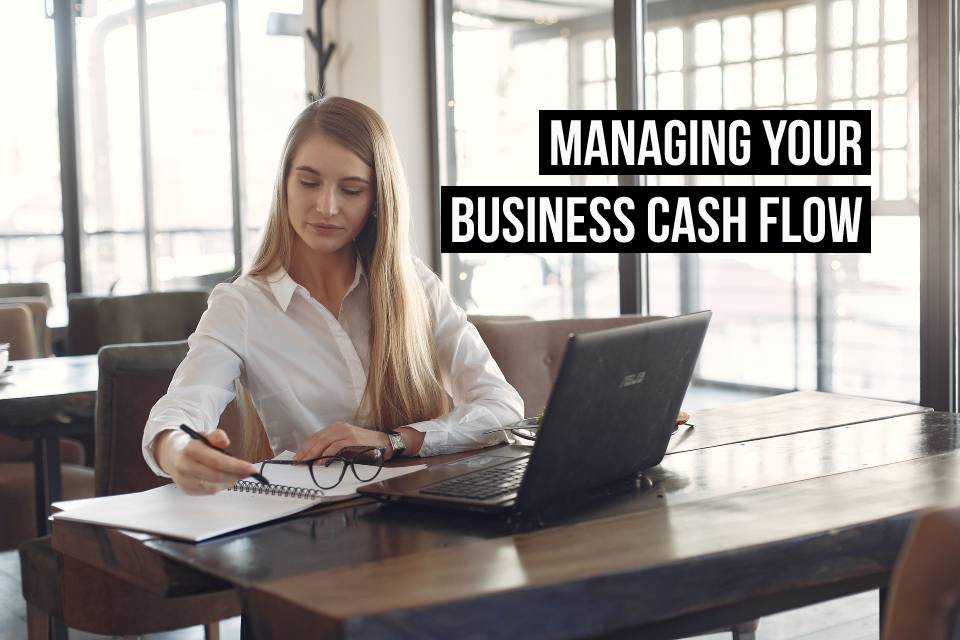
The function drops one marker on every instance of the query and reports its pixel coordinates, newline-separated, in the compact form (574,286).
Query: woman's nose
(327,201)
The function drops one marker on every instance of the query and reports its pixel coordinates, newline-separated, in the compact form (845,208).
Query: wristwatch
(396,443)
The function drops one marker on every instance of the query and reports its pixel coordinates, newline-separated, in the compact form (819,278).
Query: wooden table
(42,400)
(789,511)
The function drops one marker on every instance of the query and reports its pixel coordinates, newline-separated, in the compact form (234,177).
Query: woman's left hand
(337,435)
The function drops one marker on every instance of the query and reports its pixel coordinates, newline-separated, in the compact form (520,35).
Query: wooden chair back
(529,352)
(132,378)
(924,598)
(16,327)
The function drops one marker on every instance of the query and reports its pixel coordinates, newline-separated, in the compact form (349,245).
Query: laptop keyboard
(483,484)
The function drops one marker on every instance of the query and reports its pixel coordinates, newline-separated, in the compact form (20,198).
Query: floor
(852,618)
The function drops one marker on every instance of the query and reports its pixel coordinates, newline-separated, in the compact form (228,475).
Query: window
(31,248)
(152,82)
(505,67)
(845,323)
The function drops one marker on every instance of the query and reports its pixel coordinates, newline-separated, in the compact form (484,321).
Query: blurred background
(181,107)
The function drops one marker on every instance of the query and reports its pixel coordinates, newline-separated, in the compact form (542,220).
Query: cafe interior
(809,489)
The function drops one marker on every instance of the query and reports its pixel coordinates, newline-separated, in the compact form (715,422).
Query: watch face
(396,441)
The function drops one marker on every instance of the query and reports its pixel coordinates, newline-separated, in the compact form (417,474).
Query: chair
(529,353)
(147,317)
(16,327)
(38,310)
(924,598)
(27,290)
(16,456)
(132,379)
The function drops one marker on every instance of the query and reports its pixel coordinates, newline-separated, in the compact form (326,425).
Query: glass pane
(109,119)
(611,51)
(768,34)
(868,21)
(736,39)
(594,96)
(874,120)
(841,23)
(708,85)
(272,69)
(737,86)
(895,122)
(30,154)
(542,285)
(801,29)
(841,74)
(871,324)
(766,330)
(752,299)
(670,91)
(650,92)
(189,190)
(867,72)
(594,64)
(802,79)
(768,83)
(895,175)
(665,297)
(895,68)
(872,180)
(650,52)
(36,259)
(706,40)
(118,264)
(500,82)
(895,19)
(213,251)
(670,49)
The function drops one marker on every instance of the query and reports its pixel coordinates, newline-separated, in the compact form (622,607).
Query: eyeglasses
(365,462)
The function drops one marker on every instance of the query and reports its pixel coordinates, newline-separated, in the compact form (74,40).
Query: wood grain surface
(48,394)
(708,504)
(626,571)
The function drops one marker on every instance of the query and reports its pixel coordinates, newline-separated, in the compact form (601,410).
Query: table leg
(882,596)
(46,476)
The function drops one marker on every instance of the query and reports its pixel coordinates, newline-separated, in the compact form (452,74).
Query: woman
(341,336)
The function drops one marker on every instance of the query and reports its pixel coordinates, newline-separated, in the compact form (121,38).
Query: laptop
(609,416)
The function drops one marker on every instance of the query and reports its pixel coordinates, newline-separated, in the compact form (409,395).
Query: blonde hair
(403,381)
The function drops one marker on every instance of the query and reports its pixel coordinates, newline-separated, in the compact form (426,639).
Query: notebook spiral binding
(245,486)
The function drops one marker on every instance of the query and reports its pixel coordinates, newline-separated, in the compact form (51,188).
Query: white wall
(381,60)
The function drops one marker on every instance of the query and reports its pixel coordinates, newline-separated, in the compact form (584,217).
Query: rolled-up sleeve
(482,398)
(203,384)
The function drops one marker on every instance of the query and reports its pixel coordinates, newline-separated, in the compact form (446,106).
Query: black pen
(202,438)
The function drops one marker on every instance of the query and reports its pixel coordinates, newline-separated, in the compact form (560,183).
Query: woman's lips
(324,228)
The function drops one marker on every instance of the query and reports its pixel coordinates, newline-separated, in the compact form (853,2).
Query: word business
(633,218)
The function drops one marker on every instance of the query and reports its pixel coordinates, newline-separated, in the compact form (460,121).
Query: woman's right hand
(196,468)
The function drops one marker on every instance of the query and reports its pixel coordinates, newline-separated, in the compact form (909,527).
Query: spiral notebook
(169,512)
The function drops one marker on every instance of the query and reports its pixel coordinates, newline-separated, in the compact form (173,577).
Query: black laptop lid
(613,406)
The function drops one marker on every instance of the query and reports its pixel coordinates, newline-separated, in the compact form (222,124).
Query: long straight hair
(403,381)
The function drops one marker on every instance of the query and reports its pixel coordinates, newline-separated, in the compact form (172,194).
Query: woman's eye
(352,192)
(308,184)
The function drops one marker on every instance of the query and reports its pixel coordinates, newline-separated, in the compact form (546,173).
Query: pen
(202,438)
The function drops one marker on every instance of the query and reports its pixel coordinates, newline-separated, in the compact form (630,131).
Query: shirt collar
(283,286)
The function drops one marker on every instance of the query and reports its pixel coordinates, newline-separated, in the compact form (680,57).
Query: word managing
(701,142)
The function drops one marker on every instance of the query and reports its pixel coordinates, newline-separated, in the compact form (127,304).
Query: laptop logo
(632,378)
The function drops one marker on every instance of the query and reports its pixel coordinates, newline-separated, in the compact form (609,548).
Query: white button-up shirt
(305,368)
